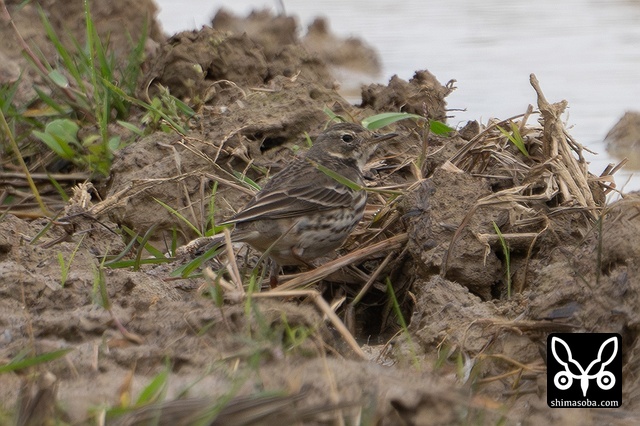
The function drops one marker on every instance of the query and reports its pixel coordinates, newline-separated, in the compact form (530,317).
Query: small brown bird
(302,213)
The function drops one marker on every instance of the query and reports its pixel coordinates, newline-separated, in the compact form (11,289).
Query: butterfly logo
(564,379)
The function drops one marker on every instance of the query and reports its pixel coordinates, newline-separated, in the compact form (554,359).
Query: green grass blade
(403,323)
(179,216)
(333,116)
(185,270)
(45,228)
(211,211)
(515,137)
(144,245)
(154,390)
(20,363)
(336,176)
(378,121)
(132,69)
(507,257)
(132,263)
(68,61)
(143,241)
(112,262)
(58,188)
(439,128)
(246,180)
(8,135)
(184,108)
(131,127)
(174,240)
(100,293)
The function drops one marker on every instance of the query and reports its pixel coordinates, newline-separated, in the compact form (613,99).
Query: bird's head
(347,142)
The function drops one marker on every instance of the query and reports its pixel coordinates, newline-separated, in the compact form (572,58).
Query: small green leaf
(114,143)
(439,128)
(515,137)
(59,79)
(64,129)
(378,121)
(52,143)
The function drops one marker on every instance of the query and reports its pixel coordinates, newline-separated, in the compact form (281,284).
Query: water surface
(584,51)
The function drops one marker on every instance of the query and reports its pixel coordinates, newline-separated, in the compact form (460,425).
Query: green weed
(379,121)
(79,89)
(152,393)
(165,112)
(507,258)
(22,361)
(122,260)
(16,150)
(515,137)
(156,390)
(403,324)
(65,266)
(89,88)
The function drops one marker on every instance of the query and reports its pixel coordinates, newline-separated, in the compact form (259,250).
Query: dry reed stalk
(323,271)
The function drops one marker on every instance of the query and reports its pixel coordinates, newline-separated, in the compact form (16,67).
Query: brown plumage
(302,213)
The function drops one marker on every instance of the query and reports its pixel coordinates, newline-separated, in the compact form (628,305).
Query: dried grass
(553,179)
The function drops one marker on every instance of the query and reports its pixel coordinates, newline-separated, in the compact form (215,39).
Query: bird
(309,208)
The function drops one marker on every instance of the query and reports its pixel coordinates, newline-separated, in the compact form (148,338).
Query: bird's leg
(273,274)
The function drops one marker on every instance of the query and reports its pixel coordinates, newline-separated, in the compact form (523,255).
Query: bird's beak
(379,138)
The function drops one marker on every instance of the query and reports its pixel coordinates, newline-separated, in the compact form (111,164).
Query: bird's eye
(347,137)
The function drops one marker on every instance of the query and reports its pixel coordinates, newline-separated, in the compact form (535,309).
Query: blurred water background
(584,51)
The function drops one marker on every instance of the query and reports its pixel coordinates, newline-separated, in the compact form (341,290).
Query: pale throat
(361,160)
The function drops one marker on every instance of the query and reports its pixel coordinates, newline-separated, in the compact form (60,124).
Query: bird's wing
(296,200)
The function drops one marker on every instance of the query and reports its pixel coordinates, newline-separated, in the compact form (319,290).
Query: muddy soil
(474,348)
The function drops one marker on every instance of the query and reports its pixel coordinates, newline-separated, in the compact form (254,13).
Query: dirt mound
(257,107)
(351,60)
(422,95)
